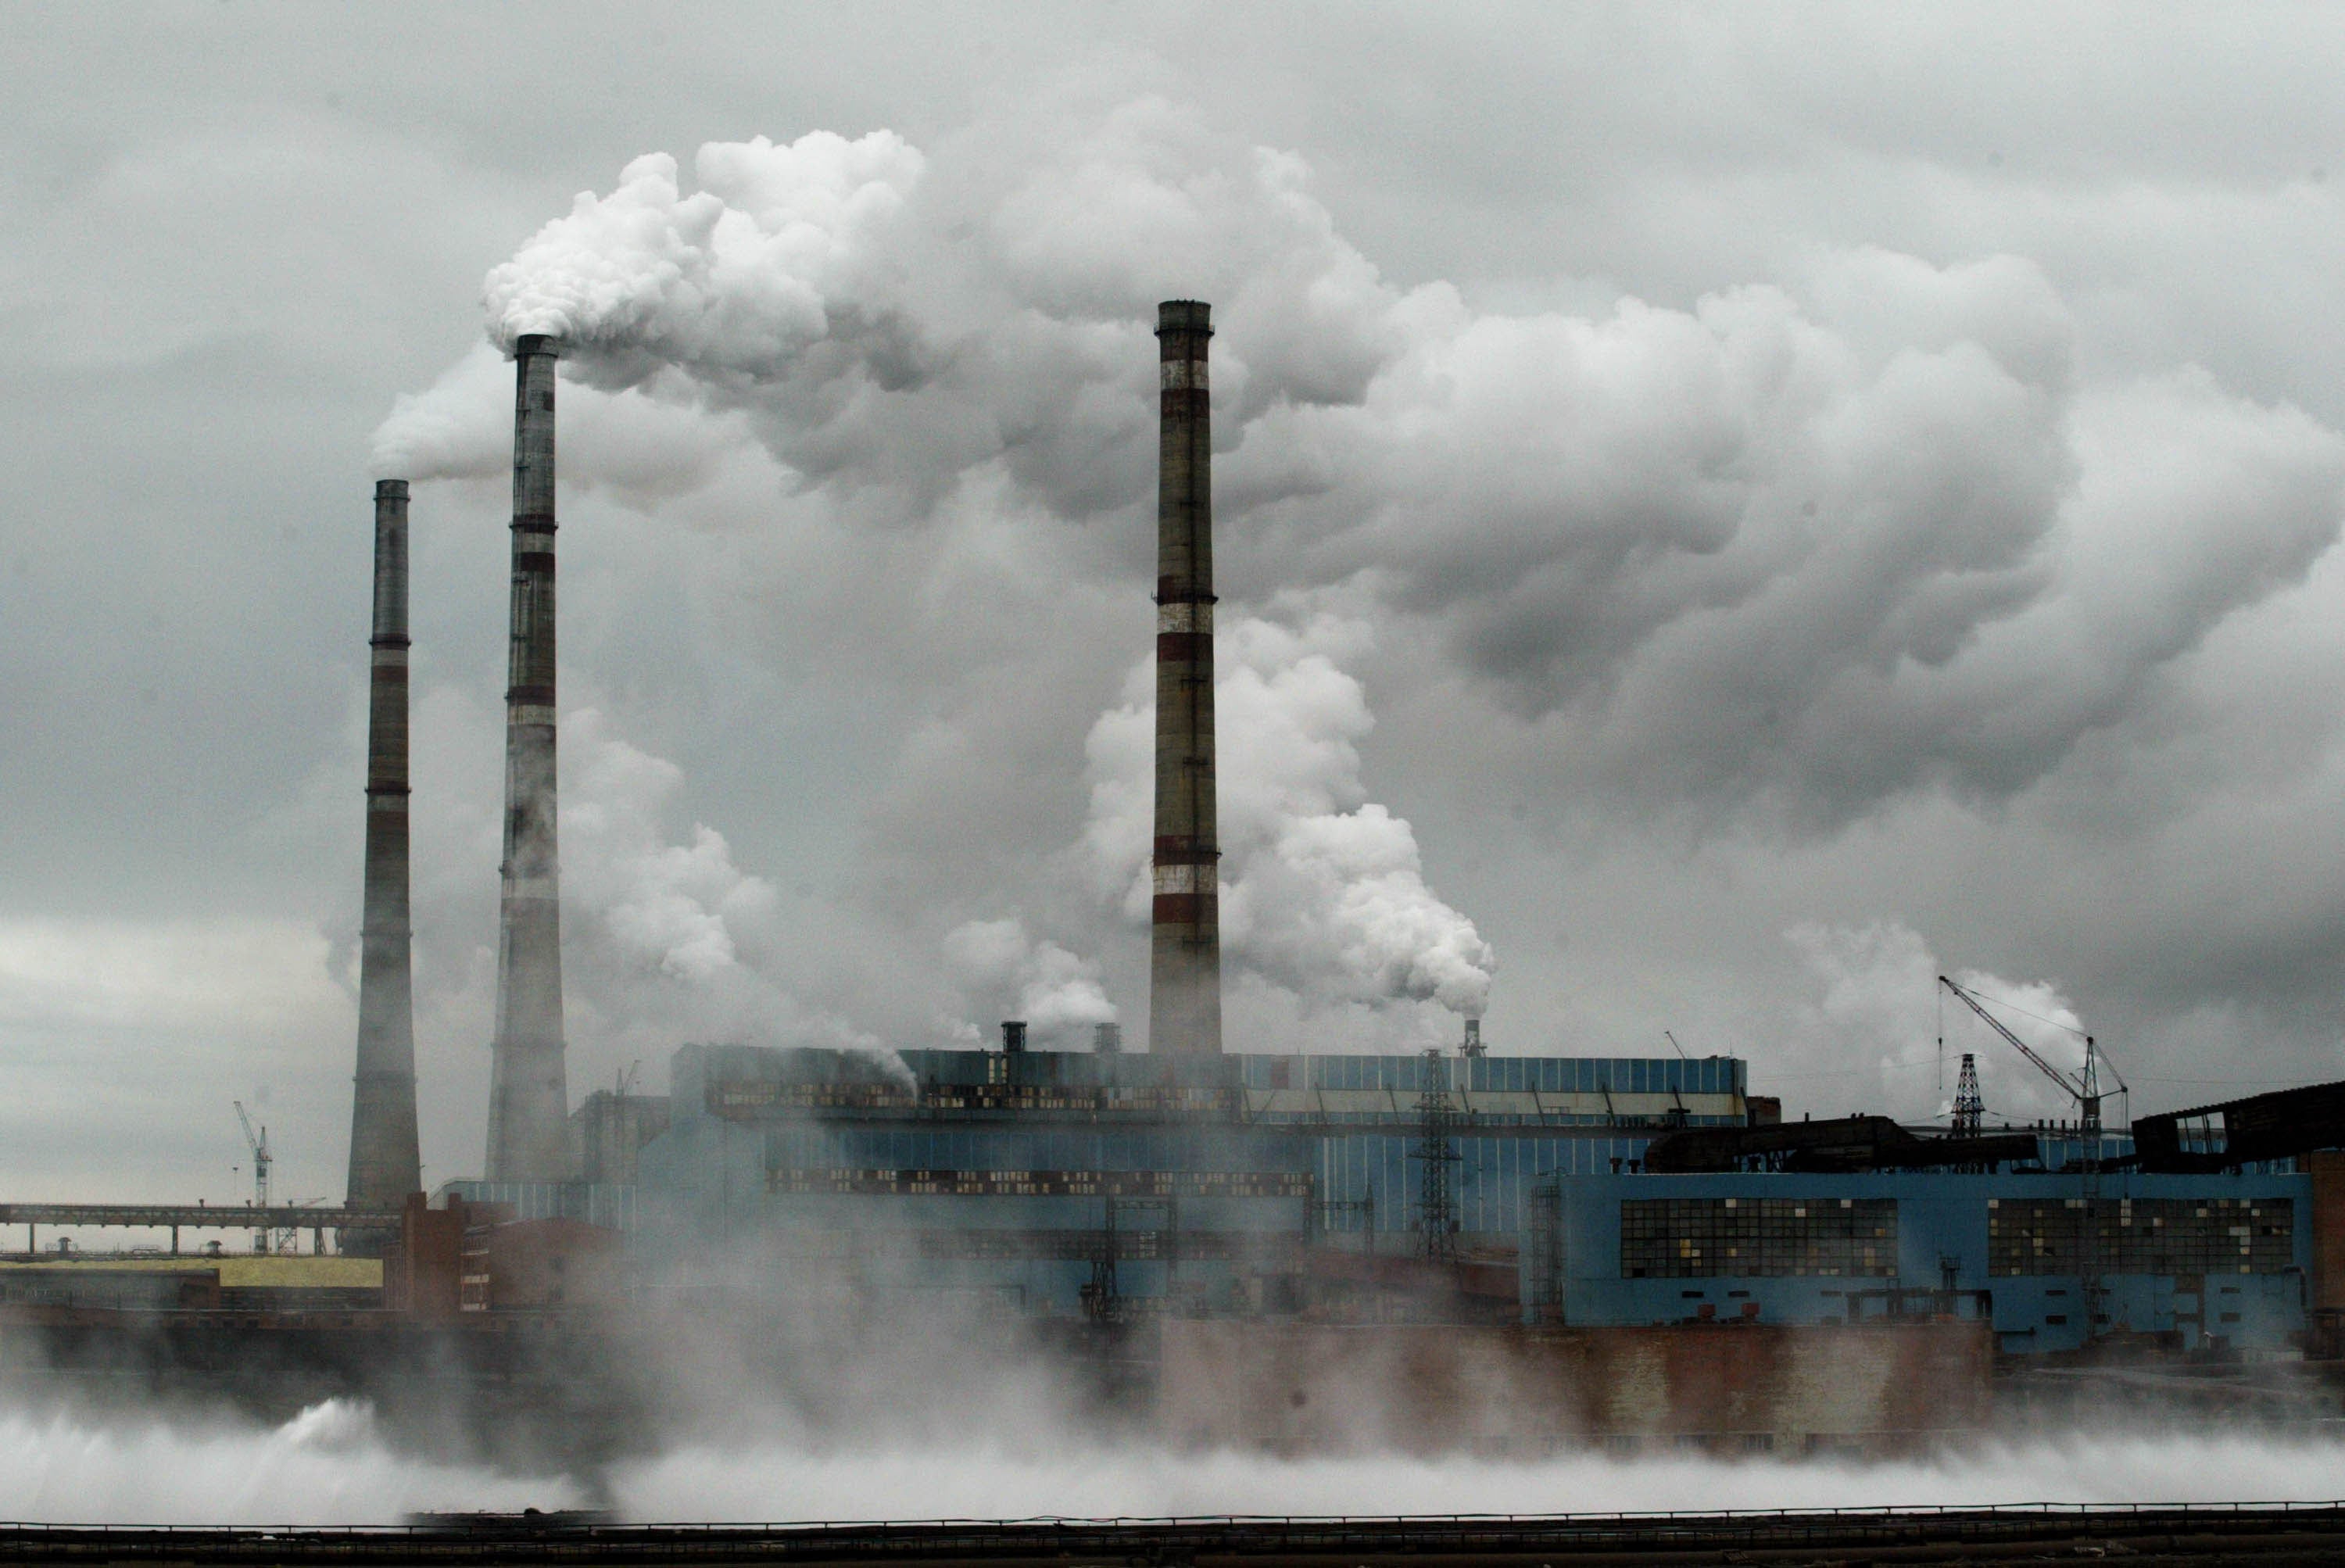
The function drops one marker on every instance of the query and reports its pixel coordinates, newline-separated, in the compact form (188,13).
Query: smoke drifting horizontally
(1837,544)
(330,1466)
(1776,561)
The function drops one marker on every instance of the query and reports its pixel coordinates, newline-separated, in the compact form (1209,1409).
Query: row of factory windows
(1371,1179)
(896,1147)
(758,1096)
(1684,1238)
(837,1180)
(2141,1235)
(1502,1074)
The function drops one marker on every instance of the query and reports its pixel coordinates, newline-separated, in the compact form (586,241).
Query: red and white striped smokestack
(529,1096)
(385,1164)
(1185,999)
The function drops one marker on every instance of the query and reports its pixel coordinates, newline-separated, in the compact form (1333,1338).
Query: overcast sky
(1723,513)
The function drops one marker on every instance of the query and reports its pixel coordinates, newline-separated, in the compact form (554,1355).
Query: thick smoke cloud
(1323,890)
(1880,1029)
(1539,348)
(1787,554)
(666,940)
(1812,548)
(1007,974)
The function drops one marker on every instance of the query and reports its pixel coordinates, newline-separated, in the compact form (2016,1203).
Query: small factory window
(1736,1295)
(2230,1317)
(1689,1295)
(2056,1293)
(2056,1319)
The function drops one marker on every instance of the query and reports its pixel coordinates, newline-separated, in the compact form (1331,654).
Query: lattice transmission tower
(1437,1204)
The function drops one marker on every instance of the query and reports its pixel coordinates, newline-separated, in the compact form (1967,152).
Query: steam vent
(385,1164)
(528,1095)
(1184,1000)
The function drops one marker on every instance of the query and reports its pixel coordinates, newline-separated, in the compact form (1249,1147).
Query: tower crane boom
(2084,1090)
(258,1142)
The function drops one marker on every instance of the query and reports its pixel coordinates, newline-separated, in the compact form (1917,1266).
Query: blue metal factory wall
(1490,1184)
(986,1171)
(1942,1233)
(985,1211)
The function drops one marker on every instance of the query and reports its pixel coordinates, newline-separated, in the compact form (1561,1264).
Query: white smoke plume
(1001,967)
(1880,1009)
(1771,561)
(1812,545)
(1323,890)
(650,442)
(333,1466)
(669,907)
(666,939)
(328,1465)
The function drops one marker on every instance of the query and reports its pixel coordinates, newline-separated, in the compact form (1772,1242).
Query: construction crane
(260,1160)
(2084,1089)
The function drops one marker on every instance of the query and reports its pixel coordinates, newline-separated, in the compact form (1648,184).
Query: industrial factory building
(1518,1248)
(1251,1184)
(1195,1181)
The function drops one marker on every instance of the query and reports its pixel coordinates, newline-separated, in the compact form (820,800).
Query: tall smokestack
(385,1165)
(529,1097)
(1184,1000)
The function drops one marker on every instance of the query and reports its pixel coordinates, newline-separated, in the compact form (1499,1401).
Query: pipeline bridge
(177,1217)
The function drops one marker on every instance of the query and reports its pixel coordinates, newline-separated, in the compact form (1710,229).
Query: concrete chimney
(385,1165)
(1185,999)
(529,1096)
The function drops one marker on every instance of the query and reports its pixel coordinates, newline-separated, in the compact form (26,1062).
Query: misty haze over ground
(328,1465)
(1721,517)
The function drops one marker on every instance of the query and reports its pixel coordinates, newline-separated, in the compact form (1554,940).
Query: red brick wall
(2327,1169)
(552,1263)
(1311,1388)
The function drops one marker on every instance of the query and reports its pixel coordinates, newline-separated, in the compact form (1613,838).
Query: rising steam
(1322,891)
(329,1466)
(1008,974)
(1827,544)
(1784,555)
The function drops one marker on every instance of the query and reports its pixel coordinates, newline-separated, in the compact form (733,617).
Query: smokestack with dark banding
(1184,1001)
(529,1099)
(385,1164)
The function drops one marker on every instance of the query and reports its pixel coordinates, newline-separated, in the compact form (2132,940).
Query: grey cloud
(2084,729)
(1820,554)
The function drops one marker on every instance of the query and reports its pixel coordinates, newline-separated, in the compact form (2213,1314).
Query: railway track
(2165,1536)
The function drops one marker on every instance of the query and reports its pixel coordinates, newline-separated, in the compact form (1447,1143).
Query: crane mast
(258,1143)
(2084,1089)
